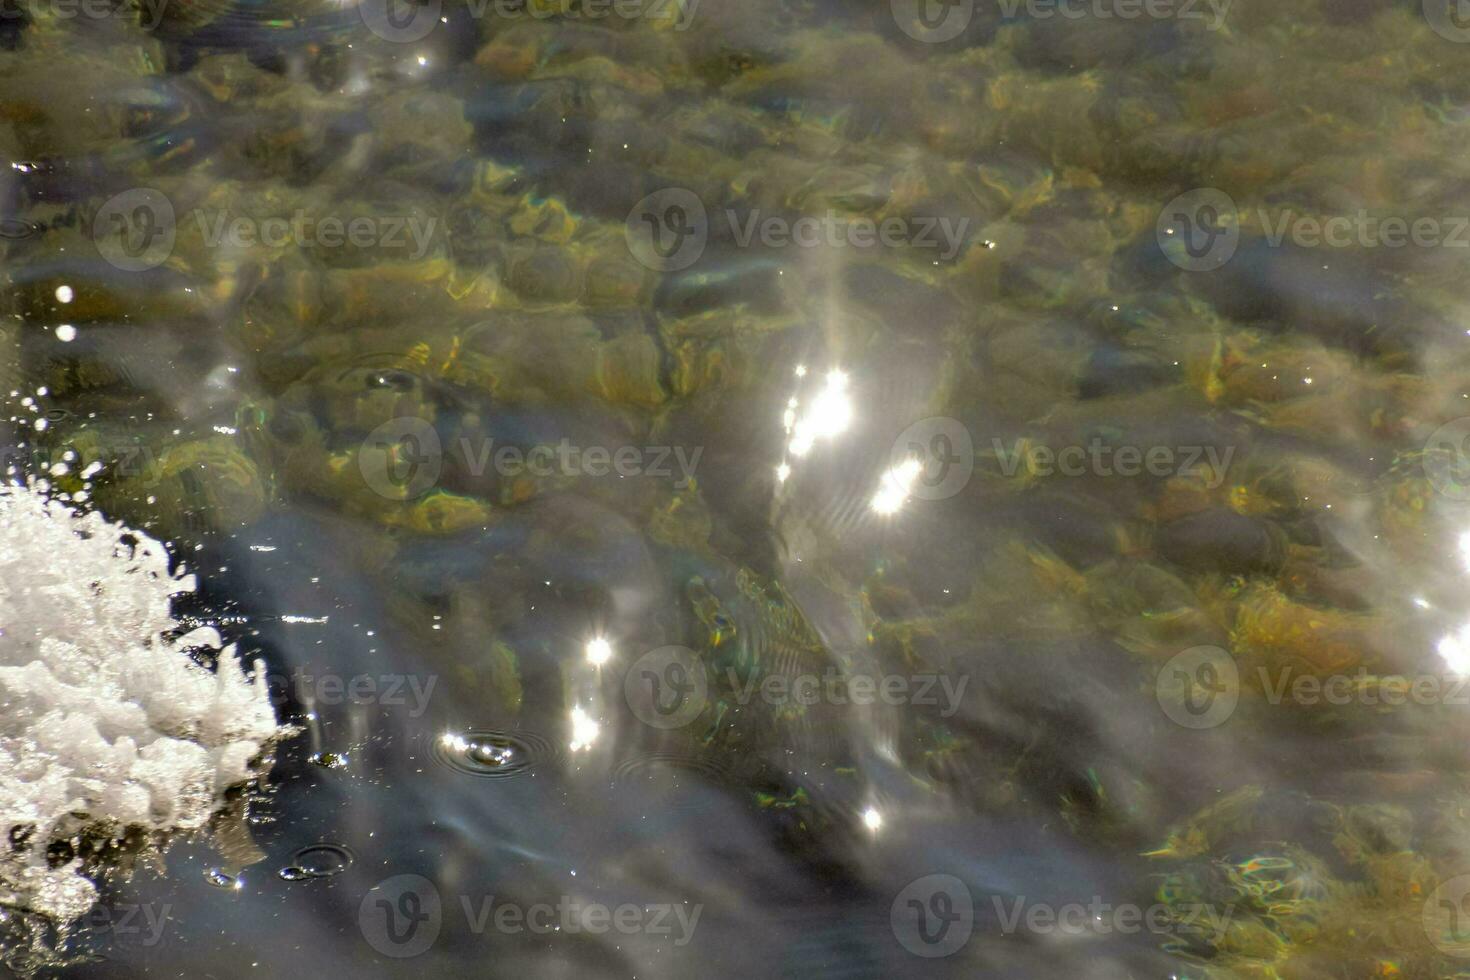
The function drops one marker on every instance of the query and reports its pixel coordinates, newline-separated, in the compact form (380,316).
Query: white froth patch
(105,725)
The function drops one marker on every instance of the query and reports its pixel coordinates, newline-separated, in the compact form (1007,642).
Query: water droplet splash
(673,782)
(492,753)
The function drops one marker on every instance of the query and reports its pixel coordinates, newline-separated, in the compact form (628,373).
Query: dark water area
(774,488)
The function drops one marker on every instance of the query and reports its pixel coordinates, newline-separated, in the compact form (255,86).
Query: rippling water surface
(775,487)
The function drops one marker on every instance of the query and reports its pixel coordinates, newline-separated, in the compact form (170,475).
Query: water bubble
(317,861)
(16,228)
(492,753)
(220,879)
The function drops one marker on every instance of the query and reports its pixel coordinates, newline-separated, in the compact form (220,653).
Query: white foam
(105,724)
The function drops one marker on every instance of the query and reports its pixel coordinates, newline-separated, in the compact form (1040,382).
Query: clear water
(777,488)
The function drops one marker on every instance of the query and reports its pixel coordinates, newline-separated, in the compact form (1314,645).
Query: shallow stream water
(774,487)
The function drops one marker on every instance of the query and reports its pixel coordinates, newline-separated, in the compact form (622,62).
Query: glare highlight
(896,485)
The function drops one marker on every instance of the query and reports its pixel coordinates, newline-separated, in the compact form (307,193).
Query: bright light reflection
(454,742)
(782,472)
(1454,650)
(598,651)
(584,729)
(895,486)
(872,819)
(829,414)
